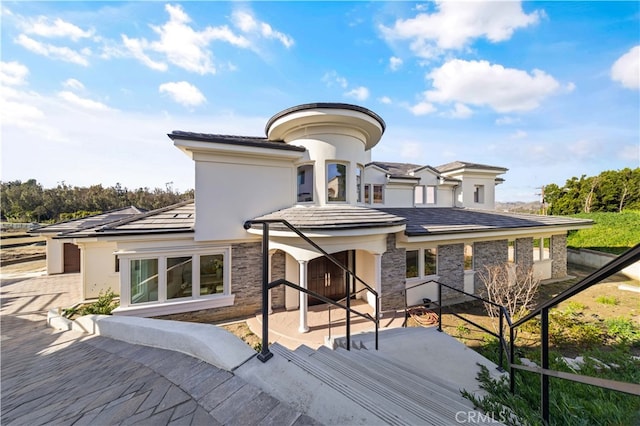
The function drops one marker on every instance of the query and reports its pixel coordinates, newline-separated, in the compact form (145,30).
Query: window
(412,263)
(430,261)
(179,272)
(418,194)
(305,183)
(478,194)
(336,182)
(167,278)
(431,194)
(359,173)
(377,194)
(144,280)
(117,268)
(468,257)
(424,260)
(211,274)
(367,194)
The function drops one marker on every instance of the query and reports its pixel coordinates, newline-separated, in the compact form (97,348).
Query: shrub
(607,300)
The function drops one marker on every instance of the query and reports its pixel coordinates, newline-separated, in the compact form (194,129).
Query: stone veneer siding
(278,263)
(246,284)
(393,278)
(559,256)
(524,253)
(451,269)
(488,253)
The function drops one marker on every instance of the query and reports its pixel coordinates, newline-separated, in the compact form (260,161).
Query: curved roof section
(331,218)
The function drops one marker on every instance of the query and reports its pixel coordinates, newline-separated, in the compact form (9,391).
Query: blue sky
(549,90)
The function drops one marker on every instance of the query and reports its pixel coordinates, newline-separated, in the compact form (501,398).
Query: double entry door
(328,279)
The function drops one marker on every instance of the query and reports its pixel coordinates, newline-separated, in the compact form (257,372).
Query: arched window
(336,182)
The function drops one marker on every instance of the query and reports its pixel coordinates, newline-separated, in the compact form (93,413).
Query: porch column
(304,327)
(378,277)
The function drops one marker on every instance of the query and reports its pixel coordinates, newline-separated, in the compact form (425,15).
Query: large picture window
(211,274)
(305,183)
(336,182)
(179,273)
(413,266)
(144,280)
(421,263)
(430,261)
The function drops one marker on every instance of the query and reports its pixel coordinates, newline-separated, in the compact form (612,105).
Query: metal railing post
(329,323)
(544,378)
(439,307)
(501,353)
(265,354)
(512,358)
(348,314)
(377,318)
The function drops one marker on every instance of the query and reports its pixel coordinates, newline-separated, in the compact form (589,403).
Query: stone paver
(70,378)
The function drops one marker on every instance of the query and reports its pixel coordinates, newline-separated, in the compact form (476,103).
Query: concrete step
(357,393)
(424,400)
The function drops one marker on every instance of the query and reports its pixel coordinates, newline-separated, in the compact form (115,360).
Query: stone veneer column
(489,253)
(559,256)
(393,276)
(278,267)
(451,268)
(524,253)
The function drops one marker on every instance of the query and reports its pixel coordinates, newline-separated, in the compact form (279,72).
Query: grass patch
(612,232)
(607,300)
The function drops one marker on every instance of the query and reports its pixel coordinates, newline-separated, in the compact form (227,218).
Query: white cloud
(583,149)
(481,83)
(460,111)
(385,100)
(181,45)
(506,120)
(360,93)
(73,84)
(395,63)
(54,52)
(518,134)
(626,70)
(84,103)
(455,24)
(422,108)
(183,93)
(330,78)
(247,23)
(13,73)
(411,151)
(630,153)
(45,27)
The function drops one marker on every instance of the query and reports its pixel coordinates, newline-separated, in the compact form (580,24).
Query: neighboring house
(392,224)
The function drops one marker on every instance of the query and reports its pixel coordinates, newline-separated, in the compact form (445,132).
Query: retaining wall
(597,259)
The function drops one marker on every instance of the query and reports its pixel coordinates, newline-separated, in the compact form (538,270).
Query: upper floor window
(305,183)
(424,194)
(378,191)
(418,194)
(430,194)
(478,194)
(359,173)
(336,182)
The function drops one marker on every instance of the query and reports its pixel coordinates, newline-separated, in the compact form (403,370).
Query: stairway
(358,386)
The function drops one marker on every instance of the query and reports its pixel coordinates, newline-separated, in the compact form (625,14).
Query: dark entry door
(326,278)
(71,258)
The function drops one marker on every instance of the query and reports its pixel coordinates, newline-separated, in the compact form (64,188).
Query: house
(393,224)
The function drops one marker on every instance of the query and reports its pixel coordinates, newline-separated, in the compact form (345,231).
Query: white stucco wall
(231,191)
(98,269)
(398,195)
(55,256)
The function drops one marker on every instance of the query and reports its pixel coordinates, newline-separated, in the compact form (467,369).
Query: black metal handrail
(504,316)
(628,258)
(347,298)
(265,354)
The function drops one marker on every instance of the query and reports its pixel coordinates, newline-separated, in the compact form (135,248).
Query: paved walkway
(69,378)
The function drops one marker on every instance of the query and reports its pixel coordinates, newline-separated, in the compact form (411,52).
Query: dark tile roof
(89,221)
(429,221)
(254,141)
(175,218)
(331,217)
(465,165)
(400,169)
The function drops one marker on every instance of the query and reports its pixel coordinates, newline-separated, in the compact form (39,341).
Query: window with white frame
(367,194)
(165,278)
(378,191)
(430,196)
(478,194)
(305,183)
(424,194)
(359,174)
(336,182)
(418,194)
(421,263)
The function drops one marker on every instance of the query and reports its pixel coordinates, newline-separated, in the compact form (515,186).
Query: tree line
(610,191)
(30,202)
